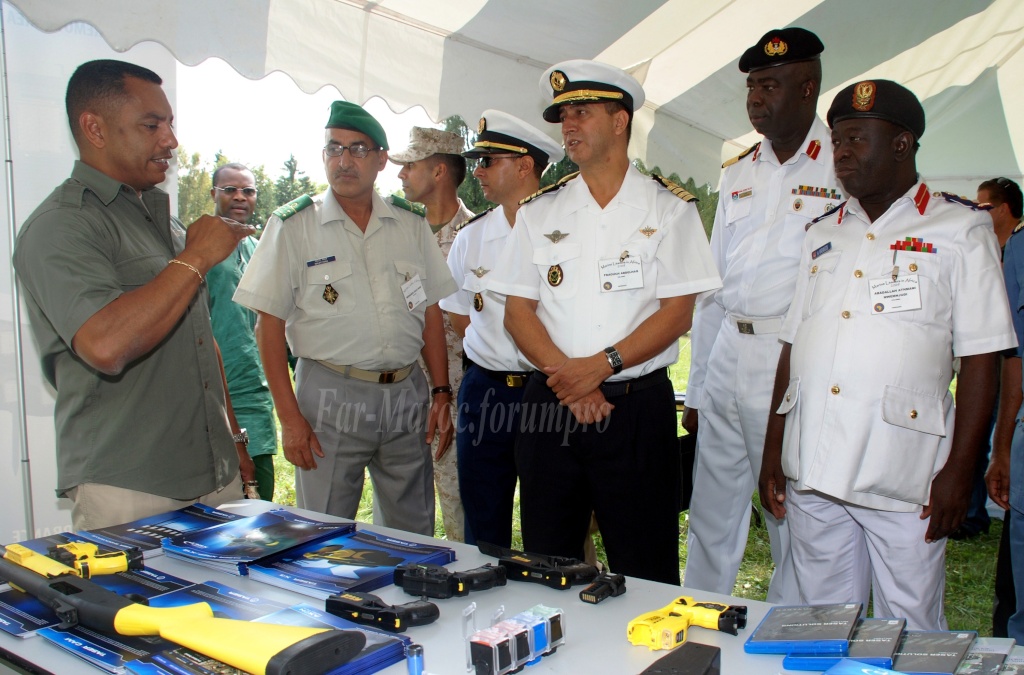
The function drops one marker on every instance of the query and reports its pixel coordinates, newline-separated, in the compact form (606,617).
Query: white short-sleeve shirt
(568,229)
(474,255)
(869,416)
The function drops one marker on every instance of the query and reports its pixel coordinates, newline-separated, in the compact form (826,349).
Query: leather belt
(614,389)
(748,326)
(655,377)
(377,376)
(511,378)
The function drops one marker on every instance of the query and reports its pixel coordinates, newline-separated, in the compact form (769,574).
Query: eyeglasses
(357,150)
(231,190)
(487,160)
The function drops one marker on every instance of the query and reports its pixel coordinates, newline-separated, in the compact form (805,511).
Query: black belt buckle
(745,327)
(386,377)
(514,380)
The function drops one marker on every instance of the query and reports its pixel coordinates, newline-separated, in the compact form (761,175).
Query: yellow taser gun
(261,649)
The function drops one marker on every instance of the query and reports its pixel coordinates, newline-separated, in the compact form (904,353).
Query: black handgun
(552,571)
(370,610)
(435,581)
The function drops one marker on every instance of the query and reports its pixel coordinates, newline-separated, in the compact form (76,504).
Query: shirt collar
(817,138)
(918,198)
(331,209)
(629,194)
(102,185)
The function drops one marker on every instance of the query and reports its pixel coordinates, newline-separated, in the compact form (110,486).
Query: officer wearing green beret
(351,282)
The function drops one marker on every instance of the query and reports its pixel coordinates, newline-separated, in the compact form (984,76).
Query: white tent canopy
(461,56)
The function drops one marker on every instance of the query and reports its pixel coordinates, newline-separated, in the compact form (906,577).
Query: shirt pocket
(559,267)
(900,455)
(935,301)
(140,271)
(473,283)
(315,297)
(405,271)
(737,209)
(820,277)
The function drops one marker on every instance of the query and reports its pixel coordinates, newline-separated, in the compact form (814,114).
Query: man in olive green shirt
(234,196)
(116,301)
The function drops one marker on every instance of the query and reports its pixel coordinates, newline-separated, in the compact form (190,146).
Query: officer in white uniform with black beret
(767,197)
(601,276)
(865,454)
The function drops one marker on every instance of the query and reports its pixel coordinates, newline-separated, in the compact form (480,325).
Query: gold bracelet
(182,262)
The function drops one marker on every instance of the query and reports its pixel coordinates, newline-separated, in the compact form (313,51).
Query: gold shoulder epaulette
(474,218)
(957,199)
(743,154)
(405,204)
(673,188)
(549,189)
(294,206)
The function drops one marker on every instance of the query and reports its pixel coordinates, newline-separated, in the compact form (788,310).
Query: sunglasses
(487,160)
(231,190)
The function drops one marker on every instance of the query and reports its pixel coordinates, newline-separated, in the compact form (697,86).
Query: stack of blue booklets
(350,561)
(231,547)
(146,534)
(874,641)
(803,629)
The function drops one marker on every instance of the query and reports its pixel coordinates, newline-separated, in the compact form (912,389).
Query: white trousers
(842,552)
(733,414)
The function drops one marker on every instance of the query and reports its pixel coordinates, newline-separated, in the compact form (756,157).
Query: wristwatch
(443,389)
(241,437)
(614,360)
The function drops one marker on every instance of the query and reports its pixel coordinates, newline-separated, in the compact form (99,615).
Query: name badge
(413,292)
(320,261)
(900,295)
(621,274)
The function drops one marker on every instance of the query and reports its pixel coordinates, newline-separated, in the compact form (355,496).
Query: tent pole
(26,474)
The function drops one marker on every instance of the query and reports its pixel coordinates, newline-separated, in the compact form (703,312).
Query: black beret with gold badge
(879,99)
(780,46)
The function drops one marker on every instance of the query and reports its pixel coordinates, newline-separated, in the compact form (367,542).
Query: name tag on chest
(621,274)
(900,295)
(413,292)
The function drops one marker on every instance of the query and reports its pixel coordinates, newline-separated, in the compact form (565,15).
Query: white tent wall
(962,58)
(42,154)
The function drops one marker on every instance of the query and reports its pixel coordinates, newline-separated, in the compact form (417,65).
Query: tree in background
(294,183)
(194,184)
(707,197)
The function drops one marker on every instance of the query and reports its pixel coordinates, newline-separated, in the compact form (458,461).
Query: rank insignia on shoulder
(288,210)
(673,188)
(962,201)
(740,156)
(549,189)
(474,219)
(406,205)
(1020,226)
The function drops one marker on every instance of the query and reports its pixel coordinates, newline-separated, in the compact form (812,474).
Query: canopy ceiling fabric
(962,58)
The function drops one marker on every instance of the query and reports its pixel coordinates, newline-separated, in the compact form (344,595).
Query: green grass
(970,565)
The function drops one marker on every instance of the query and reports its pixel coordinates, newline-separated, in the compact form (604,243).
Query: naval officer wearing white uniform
(512,156)
(767,197)
(601,275)
(895,283)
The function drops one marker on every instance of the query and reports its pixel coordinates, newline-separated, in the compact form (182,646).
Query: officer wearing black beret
(867,458)
(770,193)
(779,46)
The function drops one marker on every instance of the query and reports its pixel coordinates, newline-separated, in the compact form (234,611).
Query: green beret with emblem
(345,115)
